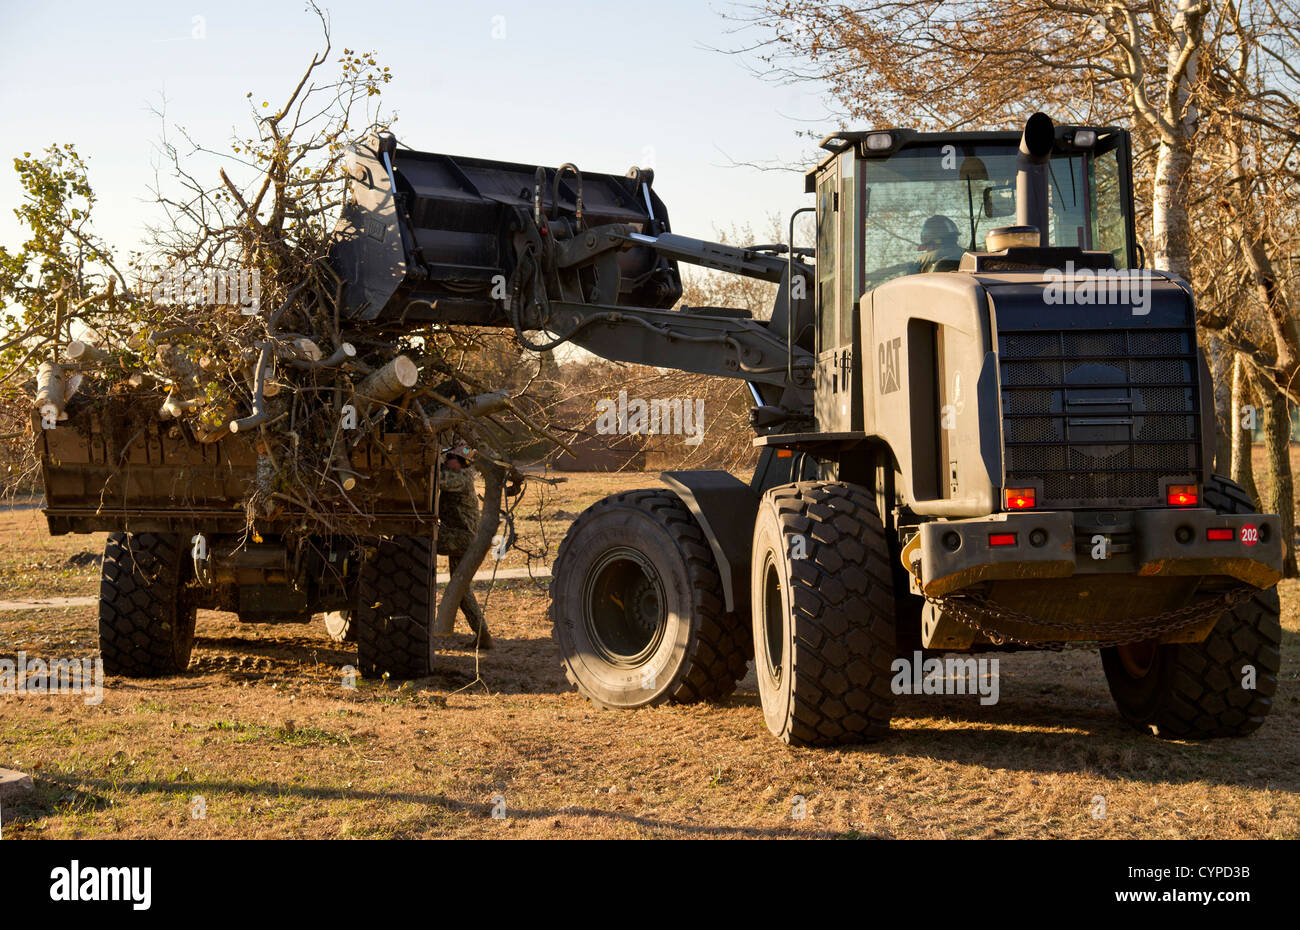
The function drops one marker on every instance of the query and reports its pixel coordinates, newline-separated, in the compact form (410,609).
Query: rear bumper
(957,554)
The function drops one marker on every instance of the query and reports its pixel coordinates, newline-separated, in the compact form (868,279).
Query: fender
(725,507)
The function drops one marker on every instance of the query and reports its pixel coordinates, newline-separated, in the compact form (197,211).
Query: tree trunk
(1178,124)
(1244,416)
(1269,290)
(1170,227)
(1279,497)
(1225,403)
(462,575)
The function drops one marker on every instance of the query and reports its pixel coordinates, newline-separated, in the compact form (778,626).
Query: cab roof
(839,142)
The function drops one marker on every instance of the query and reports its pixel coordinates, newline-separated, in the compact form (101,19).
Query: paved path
(49,603)
(60,603)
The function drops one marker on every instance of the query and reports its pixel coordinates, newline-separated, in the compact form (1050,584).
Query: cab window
(827,254)
(923,206)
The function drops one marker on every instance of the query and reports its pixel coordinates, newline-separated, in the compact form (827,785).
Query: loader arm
(580,258)
(708,345)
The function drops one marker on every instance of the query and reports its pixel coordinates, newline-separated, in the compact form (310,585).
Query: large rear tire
(395,597)
(146,611)
(1199,690)
(637,607)
(823,614)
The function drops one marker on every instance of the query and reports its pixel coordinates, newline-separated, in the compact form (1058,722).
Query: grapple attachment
(427,237)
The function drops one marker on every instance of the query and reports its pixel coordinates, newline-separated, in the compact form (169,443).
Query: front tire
(1197,690)
(823,614)
(146,610)
(637,607)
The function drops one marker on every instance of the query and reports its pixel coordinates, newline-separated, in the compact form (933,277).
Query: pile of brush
(314,400)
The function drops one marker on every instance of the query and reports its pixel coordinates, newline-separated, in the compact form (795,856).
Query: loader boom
(581,258)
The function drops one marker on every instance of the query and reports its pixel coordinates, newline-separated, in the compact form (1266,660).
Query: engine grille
(1100,418)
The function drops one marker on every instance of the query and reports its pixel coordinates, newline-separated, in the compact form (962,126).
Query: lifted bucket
(427,238)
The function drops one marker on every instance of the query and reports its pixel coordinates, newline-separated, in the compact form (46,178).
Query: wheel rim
(1138,658)
(773,619)
(623,608)
(337,623)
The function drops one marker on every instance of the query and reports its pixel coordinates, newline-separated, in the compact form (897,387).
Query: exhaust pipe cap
(1039,137)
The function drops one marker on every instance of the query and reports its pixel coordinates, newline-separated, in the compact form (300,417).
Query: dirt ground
(262,738)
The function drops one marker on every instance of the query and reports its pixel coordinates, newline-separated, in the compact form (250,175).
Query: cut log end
(51,390)
(388,383)
(83,353)
(308,349)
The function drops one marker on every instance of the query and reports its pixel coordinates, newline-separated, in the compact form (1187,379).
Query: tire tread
(719,648)
(395,609)
(146,623)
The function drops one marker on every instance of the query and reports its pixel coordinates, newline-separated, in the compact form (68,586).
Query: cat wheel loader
(984,426)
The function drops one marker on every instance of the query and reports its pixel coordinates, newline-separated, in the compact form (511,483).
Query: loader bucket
(428,238)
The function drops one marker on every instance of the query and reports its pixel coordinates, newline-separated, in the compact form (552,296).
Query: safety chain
(976,610)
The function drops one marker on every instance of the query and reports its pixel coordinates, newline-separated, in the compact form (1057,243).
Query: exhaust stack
(1032,190)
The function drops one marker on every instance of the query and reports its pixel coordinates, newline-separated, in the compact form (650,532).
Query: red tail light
(1020,498)
(1182,495)
(1220,534)
(1002,539)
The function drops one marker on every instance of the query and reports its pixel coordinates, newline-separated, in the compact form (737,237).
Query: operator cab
(892,203)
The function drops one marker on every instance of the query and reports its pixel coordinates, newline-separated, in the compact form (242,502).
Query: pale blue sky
(605,85)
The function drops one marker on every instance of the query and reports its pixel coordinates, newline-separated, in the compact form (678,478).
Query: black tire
(637,607)
(823,624)
(1195,690)
(395,609)
(146,608)
(339,626)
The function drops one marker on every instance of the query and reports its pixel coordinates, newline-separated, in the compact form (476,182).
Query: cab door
(837,364)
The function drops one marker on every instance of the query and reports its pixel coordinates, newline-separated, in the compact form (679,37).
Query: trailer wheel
(339,626)
(395,609)
(823,614)
(1197,690)
(637,607)
(146,612)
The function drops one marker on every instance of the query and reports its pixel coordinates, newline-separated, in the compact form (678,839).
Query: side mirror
(999,201)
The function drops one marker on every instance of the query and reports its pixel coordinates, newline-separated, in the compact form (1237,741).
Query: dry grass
(262,729)
(35,564)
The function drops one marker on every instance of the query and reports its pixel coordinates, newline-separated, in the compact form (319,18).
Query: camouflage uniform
(457,511)
(458,516)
